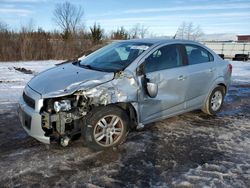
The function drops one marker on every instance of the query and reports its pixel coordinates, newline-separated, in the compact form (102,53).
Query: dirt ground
(190,150)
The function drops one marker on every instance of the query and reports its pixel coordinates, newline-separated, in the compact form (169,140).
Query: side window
(197,54)
(164,58)
(211,57)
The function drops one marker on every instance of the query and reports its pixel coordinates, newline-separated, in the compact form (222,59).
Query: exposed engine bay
(61,116)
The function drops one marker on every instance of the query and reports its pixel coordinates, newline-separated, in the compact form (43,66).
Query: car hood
(66,79)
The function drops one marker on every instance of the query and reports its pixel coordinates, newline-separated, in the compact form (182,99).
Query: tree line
(72,40)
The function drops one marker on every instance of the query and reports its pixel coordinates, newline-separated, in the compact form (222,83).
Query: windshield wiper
(95,68)
(86,66)
(74,61)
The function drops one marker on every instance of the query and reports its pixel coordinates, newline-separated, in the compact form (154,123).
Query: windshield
(114,57)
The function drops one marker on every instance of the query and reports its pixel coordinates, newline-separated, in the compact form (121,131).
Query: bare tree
(198,33)
(68,17)
(3,27)
(138,31)
(188,31)
(181,31)
(134,31)
(143,31)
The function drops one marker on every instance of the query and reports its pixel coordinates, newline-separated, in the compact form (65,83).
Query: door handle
(211,69)
(181,77)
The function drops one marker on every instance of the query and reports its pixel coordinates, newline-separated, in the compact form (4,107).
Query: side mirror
(152,89)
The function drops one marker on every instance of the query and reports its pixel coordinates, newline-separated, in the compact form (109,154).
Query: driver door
(164,67)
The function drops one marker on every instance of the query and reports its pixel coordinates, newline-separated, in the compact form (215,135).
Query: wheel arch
(218,82)
(131,111)
(224,86)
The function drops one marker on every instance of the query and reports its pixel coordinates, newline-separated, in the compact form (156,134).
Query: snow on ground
(12,81)
(241,72)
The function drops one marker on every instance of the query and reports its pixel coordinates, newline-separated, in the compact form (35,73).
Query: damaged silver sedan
(122,87)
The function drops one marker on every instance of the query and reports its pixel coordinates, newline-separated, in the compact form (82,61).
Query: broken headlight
(63,105)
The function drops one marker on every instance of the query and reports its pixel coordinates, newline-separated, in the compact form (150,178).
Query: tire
(99,133)
(215,101)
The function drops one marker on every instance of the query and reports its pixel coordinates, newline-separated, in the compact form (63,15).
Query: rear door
(165,68)
(200,71)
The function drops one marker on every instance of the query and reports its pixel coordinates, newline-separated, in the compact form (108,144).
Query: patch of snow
(241,72)
(81,58)
(13,81)
(183,184)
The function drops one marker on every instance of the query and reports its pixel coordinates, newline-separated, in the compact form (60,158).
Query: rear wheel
(215,101)
(106,127)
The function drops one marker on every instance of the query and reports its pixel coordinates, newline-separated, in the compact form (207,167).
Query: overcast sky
(161,16)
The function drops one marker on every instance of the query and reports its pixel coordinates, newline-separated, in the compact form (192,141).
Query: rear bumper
(31,122)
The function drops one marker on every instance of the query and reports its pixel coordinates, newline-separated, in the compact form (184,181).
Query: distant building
(243,38)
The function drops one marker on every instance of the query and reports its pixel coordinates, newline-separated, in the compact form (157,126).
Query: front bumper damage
(43,126)
(40,120)
(31,122)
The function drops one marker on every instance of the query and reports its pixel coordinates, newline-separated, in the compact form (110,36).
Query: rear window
(197,54)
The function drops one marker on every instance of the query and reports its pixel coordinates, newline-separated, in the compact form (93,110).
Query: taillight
(230,68)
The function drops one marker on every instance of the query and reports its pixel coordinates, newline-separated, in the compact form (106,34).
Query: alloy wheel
(108,130)
(216,100)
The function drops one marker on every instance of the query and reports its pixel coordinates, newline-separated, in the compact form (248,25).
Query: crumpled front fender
(123,88)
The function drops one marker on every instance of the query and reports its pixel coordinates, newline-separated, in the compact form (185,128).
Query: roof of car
(159,40)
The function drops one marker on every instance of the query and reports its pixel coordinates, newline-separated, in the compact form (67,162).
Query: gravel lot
(190,150)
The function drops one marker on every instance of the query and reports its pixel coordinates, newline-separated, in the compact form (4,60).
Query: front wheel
(106,127)
(215,101)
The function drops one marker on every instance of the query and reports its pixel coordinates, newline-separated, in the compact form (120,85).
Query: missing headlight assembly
(61,117)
